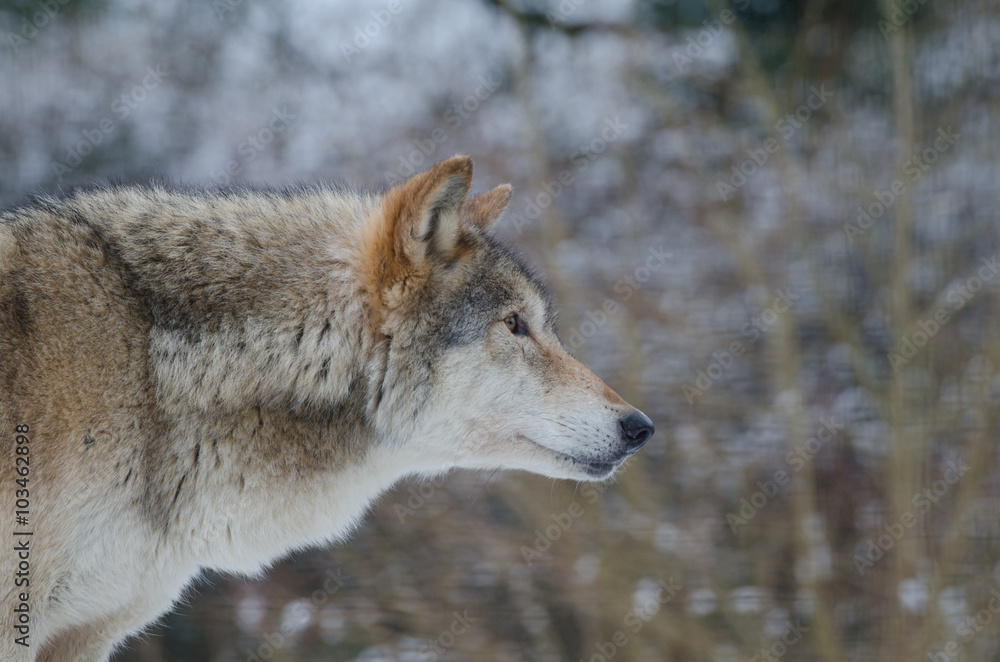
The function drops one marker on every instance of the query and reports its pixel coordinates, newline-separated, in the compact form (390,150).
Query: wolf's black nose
(636,430)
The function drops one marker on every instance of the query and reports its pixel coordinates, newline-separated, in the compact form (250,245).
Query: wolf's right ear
(420,223)
(484,209)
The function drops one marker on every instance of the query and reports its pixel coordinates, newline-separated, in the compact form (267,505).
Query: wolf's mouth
(599,469)
(594,468)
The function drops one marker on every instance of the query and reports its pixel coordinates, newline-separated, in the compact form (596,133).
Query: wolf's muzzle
(636,430)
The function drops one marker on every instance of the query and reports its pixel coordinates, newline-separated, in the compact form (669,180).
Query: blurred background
(772,225)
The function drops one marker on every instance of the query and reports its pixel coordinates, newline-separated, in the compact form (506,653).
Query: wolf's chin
(580,468)
(599,470)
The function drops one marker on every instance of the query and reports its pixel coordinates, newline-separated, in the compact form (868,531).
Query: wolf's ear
(425,211)
(484,209)
(420,222)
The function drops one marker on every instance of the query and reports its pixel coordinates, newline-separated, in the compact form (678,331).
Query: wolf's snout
(636,430)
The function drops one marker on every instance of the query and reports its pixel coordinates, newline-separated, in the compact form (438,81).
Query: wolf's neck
(257,528)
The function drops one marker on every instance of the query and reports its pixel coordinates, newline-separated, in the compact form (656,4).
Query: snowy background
(792,215)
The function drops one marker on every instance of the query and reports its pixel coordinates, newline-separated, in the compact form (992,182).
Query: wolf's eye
(516,325)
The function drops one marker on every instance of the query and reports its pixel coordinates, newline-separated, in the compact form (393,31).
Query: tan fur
(213,379)
(484,209)
(394,247)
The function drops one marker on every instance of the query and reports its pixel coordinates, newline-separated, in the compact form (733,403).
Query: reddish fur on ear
(420,220)
(483,210)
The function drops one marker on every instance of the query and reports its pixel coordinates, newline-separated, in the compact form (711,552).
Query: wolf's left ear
(484,209)
(420,224)
(424,213)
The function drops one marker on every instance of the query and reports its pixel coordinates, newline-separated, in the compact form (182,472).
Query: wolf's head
(474,371)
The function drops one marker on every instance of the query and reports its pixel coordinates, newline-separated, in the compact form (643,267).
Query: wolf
(211,379)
